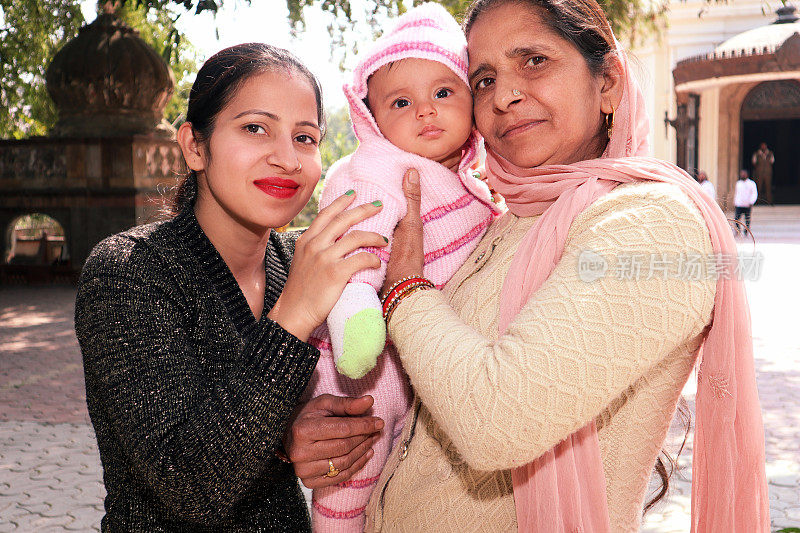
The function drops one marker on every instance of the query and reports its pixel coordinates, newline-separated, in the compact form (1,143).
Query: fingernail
(379,425)
(385,239)
(351,192)
(377,203)
(413,177)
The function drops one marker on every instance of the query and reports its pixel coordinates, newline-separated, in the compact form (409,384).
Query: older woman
(548,369)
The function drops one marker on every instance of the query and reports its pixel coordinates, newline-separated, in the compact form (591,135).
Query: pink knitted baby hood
(428,32)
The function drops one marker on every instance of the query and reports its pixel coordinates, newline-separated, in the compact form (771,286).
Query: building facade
(722,79)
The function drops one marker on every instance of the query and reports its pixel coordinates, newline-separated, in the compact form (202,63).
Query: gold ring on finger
(332,470)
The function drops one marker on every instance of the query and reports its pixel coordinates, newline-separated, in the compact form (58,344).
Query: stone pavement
(779,223)
(50,475)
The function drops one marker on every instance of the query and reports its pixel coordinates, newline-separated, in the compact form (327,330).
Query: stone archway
(35,239)
(770,113)
(105,165)
(35,247)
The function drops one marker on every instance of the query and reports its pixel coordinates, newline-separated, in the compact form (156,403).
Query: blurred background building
(723,78)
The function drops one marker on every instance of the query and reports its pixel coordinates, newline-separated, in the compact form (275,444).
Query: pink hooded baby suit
(456,211)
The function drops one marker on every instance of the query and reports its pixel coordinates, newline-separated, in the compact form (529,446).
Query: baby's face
(422,107)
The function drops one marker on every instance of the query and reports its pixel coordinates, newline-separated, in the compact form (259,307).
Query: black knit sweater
(189,395)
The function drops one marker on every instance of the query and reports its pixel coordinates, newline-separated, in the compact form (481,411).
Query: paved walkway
(50,475)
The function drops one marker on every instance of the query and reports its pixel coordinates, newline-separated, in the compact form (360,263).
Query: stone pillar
(111,157)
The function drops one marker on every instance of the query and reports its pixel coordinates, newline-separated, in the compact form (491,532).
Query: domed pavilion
(108,161)
(746,92)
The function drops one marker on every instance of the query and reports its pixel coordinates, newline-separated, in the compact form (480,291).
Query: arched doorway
(771,114)
(36,239)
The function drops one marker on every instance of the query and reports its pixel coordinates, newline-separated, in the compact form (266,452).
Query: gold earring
(610,122)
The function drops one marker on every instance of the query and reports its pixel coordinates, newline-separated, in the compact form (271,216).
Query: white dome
(771,36)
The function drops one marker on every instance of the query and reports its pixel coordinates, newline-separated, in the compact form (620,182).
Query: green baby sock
(364,339)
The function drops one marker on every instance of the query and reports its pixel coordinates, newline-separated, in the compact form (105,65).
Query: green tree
(157,28)
(632,20)
(31,32)
(339,141)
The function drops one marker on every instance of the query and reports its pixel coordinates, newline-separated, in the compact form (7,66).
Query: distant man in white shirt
(744,197)
(706,185)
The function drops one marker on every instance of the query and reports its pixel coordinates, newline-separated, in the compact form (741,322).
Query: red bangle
(399,294)
(407,292)
(403,290)
(401,286)
(398,283)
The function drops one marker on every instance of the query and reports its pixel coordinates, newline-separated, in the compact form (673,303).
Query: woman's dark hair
(584,24)
(581,22)
(216,84)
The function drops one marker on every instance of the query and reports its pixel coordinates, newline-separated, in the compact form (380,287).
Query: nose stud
(299,167)
(516,92)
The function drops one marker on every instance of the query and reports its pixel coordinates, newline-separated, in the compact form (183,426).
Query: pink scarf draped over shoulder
(564,490)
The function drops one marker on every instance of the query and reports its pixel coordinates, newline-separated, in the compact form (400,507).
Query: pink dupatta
(564,489)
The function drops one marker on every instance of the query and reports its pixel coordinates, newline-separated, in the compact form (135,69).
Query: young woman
(193,330)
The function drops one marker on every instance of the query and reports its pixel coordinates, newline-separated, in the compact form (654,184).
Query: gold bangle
(390,311)
(393,299)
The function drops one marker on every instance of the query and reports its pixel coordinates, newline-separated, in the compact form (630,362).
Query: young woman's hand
(407,256)
(335,429)
(320,267)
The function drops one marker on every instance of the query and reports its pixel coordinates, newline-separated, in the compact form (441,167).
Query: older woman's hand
(335,429)
(407,255)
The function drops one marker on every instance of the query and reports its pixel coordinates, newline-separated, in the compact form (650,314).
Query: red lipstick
(277,187)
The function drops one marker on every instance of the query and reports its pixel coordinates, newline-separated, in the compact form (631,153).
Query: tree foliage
(157,28)
(339,141)
(32,31)
(30,34)
(632,20)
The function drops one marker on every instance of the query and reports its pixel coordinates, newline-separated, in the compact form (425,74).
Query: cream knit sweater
(616,350)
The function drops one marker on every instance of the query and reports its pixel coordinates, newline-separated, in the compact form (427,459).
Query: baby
(411,107)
